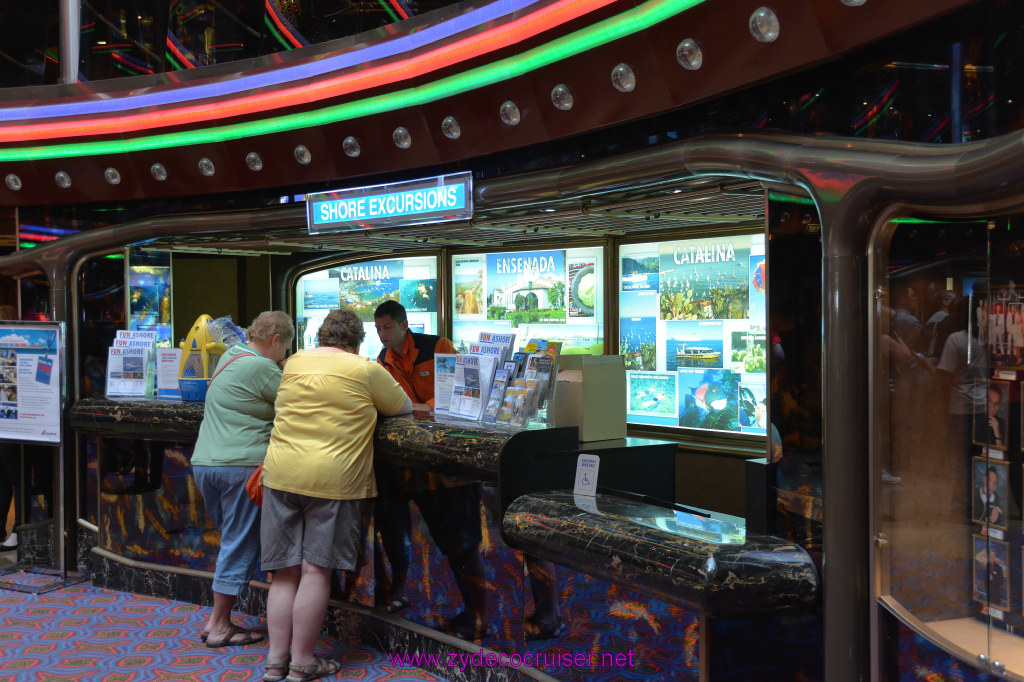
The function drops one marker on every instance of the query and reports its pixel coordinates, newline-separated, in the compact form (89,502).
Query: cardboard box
(591,394)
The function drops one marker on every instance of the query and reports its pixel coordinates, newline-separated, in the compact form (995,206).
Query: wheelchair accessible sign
(443,198)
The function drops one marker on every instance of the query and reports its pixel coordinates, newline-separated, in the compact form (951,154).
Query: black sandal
(320,667)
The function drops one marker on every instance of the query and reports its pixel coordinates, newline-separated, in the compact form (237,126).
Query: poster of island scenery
(640,268)
(362,287)
(693,344)
(652,398)
(554,295)
(705,279)
(701,319)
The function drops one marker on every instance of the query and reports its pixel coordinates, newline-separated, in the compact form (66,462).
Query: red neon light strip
(178,53)
(398,8)
(276,18)
(491,40)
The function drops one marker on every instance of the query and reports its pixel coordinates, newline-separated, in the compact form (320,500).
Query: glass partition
(693,329)
(555,295)
(362,287)
(949,362)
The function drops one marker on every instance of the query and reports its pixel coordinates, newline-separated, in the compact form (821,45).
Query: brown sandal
(276,677)
(320,667)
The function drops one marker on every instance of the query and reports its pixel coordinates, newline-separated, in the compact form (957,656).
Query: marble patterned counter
(704,564)
(152,419)
(460,447)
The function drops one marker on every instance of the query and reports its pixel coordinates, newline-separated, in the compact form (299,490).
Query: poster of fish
(468,278)
(708,399)
(652,393)
(526,286)
(639,271)
(419,295)
(364,286)
(705,279)
(693,344)
(638,342)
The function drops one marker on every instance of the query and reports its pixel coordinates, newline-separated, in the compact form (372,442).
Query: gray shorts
(328,533)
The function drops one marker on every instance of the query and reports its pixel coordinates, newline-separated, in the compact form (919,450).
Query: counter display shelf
(706,564)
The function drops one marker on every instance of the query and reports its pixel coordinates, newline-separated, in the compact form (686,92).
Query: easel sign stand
(32,392)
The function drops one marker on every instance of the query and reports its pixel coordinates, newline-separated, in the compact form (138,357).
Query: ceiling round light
(623,78)
(302,154)
(13,182)
(561,97)
(62,179)
(206,167)
(112,175)
(451,128)
(764,25)
(254,162)
(351,147)
(401,138)
(509,113)
(853,3)
(158,171)
(689,55)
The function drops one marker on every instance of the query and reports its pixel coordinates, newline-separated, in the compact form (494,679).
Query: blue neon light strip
(315,68)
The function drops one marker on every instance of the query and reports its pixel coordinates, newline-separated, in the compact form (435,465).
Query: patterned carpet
(83,633)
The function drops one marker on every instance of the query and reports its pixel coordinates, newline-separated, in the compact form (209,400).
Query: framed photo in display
(990,422)
(989,490)
(1004,328)
(991,574)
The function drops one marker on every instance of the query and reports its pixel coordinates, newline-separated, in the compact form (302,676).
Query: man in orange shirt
(408,356)
(450,507)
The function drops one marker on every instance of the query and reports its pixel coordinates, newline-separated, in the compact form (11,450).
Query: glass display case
(949,366)
(693,329)
(149,293)
(362,287)
(555,295)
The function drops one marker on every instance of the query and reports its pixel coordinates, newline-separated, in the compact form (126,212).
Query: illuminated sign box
(431,200)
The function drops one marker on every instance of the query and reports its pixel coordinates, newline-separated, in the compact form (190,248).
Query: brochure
(473,377)
(444,381)
(497,395)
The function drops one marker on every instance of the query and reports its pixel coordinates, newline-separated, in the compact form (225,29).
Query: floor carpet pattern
(80,633)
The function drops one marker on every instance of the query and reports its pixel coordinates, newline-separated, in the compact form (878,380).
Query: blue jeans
(231,510)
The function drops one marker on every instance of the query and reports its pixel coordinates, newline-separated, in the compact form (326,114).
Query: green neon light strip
(632,21)
(277,35)
(387,9)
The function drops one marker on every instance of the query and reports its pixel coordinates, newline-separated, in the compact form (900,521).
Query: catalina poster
(705,279)
(707,399)
(364,286)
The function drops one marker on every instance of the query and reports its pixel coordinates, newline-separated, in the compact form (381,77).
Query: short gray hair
(271,322)
(342,327)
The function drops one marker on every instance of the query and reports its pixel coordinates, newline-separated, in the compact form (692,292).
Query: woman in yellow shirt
(317,477)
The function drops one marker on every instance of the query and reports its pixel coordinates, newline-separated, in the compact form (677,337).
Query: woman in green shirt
(233,437)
